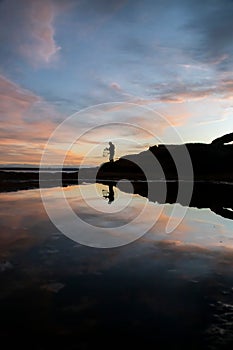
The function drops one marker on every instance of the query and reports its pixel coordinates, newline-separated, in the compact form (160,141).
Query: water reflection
(218,197)
(163,289)
(109,194)
(23,212)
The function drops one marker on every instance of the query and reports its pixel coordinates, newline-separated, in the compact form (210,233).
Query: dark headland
(198,161)
(211,170)
(209,162)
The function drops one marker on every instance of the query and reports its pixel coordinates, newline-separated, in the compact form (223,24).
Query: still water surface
(160,290)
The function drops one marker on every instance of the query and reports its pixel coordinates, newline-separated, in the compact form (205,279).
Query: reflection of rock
(5,265)
(53,287)
(218,197)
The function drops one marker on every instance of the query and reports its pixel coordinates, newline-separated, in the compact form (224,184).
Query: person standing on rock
(111,151)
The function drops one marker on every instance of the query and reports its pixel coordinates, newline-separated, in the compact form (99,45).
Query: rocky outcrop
(223,139)
(208,162)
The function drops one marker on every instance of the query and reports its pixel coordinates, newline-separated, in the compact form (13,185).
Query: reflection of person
(110,194)
(111,151)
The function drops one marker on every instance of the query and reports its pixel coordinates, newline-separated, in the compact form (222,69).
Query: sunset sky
(61,56)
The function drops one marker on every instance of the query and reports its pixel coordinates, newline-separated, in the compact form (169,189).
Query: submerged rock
(5,265)
(53,287)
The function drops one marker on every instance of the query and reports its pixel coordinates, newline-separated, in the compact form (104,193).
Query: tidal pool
(153,289)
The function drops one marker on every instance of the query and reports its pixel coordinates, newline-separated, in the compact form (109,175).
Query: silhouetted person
(111,151)
(110,194)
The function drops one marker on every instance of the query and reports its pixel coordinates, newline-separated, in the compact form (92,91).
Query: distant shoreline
(8,168)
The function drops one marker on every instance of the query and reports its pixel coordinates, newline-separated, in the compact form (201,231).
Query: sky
(135,72)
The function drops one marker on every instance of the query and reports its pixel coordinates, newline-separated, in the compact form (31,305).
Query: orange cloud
(15,101)
(27,122)
(22,132)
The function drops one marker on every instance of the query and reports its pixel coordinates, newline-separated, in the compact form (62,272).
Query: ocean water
(94,266)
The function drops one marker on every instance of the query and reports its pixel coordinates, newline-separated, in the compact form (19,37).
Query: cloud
(115,86)
(176,92)
(23,129)
(19,105)
(212,21)
(102,6)
(27,122)
(15,101)
(156,54)
(42,46)
(27,28)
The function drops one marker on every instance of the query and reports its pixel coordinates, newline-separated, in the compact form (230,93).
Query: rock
(5,265)
(53,287)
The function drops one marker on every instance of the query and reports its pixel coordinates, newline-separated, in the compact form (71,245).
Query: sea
(91,265)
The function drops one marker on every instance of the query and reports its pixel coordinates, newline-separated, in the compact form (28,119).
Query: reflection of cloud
(198,228)
(21,216)
(24,224)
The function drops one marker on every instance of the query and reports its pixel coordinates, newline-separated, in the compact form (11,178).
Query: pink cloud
(40,46)
(22,132)
(15,101)
(115,86)
(28,28)
(26,124)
